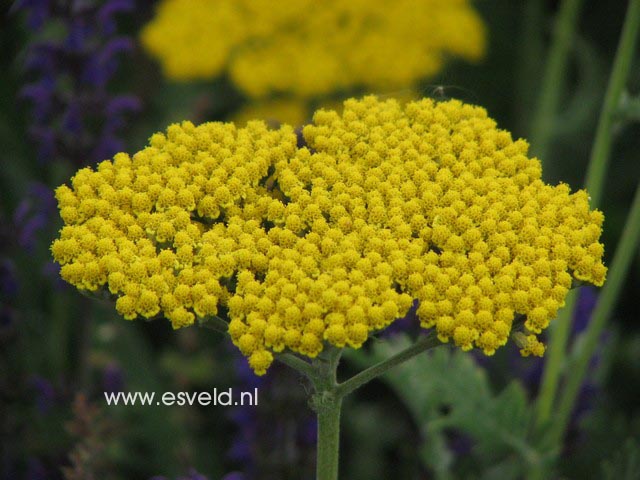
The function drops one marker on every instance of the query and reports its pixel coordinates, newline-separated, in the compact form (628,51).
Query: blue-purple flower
(191,475)
(277,438)
(112,378)
(33,214)
(74,116)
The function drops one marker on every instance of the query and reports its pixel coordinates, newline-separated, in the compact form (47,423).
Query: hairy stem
(328,439)
(327,405)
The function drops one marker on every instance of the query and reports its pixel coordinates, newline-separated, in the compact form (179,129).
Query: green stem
(374,371)
(594,185)
(296,363)
(619,74)
(327,405)
(328,438)
(553,79)
(555,360)
(531,49)
(588,343)
(327,401)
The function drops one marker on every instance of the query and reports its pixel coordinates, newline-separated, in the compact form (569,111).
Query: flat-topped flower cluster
(310,48)
(300,247)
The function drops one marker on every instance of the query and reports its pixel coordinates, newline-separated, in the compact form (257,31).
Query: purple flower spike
(191,475)
(112,379)
(194,475)
(72,120)
(39,11)
(41,95)
(51,271)
(260,429)
(8,280)
(101,68)
(79,34)
(588,297)
(74,116)
(42,57)
(109,10)
(234,476)
(46,139)
(123,104)
(45,394)
(32,214)
(116,109)
(107,146)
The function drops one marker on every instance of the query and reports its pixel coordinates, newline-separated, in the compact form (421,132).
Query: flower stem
(555,360)
(296,363)
(374,371)
(553,80)
(328,438)
(619,74)
(621,262)
(329,394)
(328,397)
(327,405)
(594,184)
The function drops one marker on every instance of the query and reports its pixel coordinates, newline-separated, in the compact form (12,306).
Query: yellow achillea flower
(301,247)
(311,48)
(193,38)
(292,111)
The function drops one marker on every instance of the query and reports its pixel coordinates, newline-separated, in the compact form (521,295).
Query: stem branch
(327,405)
(292,361)
(424,343)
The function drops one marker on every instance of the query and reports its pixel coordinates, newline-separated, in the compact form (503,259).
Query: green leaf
(445,389)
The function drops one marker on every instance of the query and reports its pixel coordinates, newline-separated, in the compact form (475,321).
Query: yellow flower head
(324,244)
(292,111)
(311,48)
